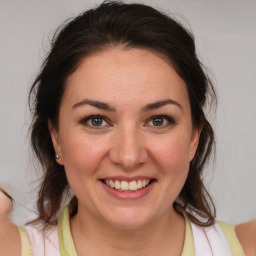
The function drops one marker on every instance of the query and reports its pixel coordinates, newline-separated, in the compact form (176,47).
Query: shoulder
(42,240)
(216,239)
(231,236)
(10,243)
(246,233)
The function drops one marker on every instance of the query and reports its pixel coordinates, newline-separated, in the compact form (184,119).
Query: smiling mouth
(125,186)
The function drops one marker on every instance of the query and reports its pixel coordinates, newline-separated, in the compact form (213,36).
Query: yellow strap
(189,248)
(67,247)
(25,244)
(234,244)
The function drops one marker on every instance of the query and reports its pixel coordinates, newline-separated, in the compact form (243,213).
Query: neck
(163,236)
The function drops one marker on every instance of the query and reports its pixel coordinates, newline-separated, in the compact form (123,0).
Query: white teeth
(117,184)
(139,184)
(127,186)
(132,185)
(111,183)
(124,185)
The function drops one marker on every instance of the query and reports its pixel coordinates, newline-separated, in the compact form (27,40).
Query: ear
(55,140)
(195,140)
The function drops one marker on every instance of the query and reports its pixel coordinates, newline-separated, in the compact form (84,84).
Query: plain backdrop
(225,34)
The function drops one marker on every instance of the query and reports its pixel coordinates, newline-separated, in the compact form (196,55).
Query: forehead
(123,75)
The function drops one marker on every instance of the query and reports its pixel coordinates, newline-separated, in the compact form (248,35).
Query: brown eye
(160,121)
(95,121)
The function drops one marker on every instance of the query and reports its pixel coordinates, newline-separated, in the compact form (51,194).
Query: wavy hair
(130,26)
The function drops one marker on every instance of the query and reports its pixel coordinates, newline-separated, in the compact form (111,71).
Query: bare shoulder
(10,243)
(246,233)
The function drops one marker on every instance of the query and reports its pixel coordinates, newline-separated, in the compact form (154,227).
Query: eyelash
(85,121)
(169,119)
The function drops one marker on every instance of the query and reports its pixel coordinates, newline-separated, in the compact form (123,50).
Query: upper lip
(128,179)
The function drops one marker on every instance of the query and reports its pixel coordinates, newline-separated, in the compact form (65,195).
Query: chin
(127,225)
(128,220)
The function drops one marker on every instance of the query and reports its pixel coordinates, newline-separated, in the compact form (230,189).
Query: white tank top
(208,241)
(43,243)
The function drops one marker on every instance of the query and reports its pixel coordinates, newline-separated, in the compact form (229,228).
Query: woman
(119,121)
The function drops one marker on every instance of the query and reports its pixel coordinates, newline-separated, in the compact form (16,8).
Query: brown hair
(128,25)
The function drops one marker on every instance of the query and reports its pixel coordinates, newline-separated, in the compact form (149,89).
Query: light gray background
(225,33)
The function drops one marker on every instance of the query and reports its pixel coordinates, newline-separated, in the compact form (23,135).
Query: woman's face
(125,136)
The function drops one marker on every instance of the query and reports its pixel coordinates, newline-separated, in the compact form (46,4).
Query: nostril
(128,150)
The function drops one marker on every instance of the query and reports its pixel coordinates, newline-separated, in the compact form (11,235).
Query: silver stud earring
(57,157)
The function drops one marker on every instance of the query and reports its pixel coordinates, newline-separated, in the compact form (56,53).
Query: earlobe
(55,141)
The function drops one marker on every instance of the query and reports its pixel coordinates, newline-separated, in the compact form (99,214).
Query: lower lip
(128,195)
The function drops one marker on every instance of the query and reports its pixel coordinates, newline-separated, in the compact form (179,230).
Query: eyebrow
(107,107)
(94,103)
(158,104)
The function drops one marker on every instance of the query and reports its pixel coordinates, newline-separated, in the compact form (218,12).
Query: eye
(95,121)
(160,121)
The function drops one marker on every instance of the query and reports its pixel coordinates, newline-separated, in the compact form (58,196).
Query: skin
(246,233)
(127,144)
(10,243)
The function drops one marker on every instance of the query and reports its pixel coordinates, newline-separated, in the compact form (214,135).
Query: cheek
(172,153)
(82,158)
(82,155)
(171,158)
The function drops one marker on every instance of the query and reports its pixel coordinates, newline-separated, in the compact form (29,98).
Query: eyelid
(87,118)
(170,120)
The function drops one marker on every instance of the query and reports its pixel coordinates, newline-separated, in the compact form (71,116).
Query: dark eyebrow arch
(161,103)
(105,106)
(94,103)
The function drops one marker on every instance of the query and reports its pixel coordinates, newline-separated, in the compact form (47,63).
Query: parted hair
(118,24)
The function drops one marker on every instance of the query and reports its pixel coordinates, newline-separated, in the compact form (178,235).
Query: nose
(128,149)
